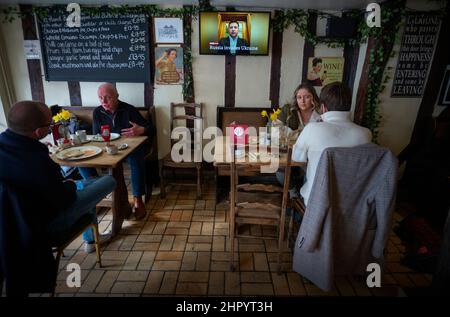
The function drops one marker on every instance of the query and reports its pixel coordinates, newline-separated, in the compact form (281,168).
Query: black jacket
(242,46)
(32,192)
(120,119)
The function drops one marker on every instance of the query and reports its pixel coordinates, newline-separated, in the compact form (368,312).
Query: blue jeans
(137,165)
(296,180)
(89,194)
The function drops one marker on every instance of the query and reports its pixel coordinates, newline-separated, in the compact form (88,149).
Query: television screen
(234,33)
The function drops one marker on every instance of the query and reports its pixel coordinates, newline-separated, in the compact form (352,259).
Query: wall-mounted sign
(416,53)
(325,70)
(168,30)
(32,49)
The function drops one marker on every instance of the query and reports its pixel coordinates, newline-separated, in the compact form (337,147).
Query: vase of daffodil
(272,119)
(61,126)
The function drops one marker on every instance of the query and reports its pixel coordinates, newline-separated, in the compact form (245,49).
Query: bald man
(26,165)
(126,120)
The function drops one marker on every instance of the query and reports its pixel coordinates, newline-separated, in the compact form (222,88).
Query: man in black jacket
(36,203)
(233,44)
(126,120)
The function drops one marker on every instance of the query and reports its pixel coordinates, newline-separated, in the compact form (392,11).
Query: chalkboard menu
(107,47)
(415,55)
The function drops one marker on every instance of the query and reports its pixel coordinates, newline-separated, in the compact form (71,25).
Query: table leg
(121,208)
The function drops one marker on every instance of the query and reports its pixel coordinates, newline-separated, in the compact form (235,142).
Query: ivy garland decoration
(299,19)
(10,13)
(391,14)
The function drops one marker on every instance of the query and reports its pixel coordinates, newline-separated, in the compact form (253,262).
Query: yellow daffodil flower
(65,115)
(264,113)
(273,116)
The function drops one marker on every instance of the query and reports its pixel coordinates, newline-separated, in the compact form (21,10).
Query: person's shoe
(102,239)
(156,191)
(139,208)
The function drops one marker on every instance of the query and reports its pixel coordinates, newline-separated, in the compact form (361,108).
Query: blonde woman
(303,109)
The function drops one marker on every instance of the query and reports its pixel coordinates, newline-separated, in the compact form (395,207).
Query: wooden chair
(62,240)
(257,204)
(192,113)
(297,207)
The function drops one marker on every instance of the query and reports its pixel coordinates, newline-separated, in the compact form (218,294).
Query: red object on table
(55,132)
(106,132)
(239,133)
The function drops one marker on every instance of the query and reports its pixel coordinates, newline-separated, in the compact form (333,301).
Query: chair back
(23,242)
(189,115)
(257,204)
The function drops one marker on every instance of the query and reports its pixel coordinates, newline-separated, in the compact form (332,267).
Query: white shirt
(336,130)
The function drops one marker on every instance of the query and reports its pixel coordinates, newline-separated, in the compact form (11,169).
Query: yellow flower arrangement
(271,117)
(63,116)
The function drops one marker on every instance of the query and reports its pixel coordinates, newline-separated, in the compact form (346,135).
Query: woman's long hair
(312,91)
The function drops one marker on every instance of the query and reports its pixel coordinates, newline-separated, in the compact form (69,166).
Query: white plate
(98,137)
(78,153)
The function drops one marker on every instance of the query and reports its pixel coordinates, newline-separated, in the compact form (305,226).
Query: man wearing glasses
(48,203)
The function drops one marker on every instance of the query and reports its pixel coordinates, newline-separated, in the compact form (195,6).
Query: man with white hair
(126,120)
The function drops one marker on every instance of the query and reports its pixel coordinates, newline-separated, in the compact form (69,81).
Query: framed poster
(168,30)
(169,65)
(444,92)
(416,52)
(325,70)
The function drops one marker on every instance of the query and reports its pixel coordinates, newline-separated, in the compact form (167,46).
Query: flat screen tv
(234,33)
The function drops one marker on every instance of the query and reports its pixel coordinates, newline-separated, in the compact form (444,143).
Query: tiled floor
(181,249)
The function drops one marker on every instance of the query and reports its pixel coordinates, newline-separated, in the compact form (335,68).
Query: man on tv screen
(233,44)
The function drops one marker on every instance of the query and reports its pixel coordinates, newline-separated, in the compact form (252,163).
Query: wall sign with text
(107,47)
(416,52)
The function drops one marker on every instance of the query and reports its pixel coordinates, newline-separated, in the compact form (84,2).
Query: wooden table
(121,208)
(255,167)
(222,155)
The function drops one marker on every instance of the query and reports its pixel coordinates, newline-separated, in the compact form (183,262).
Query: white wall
(252,84)
(291,64)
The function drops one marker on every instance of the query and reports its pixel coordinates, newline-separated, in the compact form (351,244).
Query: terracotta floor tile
(255,277)
(182,249)
(169,283)
(216,283)
(260,289)
(189,260)
(146,260)
(107,282)
(169,255)
(192,289)
(153,283)
(128,287)
(196,277)
(166,265)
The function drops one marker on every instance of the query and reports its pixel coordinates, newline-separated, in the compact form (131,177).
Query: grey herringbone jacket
(349,213)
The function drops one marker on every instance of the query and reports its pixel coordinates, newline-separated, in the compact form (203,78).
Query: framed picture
(444,92)
(168,30)
(169,65)
(324,70)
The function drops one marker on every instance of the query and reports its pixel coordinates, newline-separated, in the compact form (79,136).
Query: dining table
(119,203)
(251,155)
